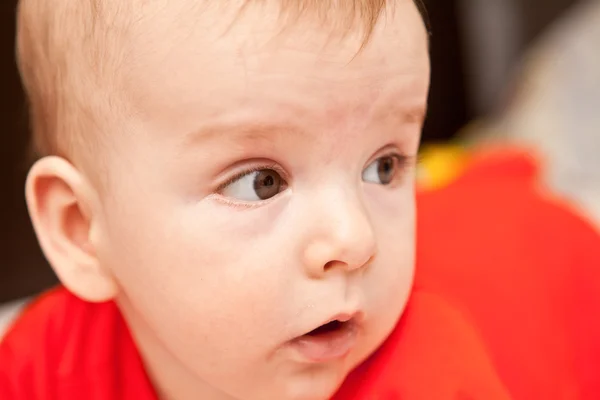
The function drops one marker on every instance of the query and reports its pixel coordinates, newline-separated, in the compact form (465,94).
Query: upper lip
(354,316)
(343,317)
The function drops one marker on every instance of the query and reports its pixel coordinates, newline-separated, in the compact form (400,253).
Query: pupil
(387,166)
(386,170)
(267,184)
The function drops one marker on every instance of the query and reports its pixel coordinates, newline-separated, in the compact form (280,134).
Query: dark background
(24,272)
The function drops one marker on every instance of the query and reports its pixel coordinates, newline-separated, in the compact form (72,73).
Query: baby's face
(262,186)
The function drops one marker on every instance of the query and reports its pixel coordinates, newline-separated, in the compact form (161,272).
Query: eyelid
(239,204)
(404,160)
(246,169)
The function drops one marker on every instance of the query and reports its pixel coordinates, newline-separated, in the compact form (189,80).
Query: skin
(213,284)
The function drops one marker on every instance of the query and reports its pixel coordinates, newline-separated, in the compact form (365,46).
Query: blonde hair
(68,52)
(65,64)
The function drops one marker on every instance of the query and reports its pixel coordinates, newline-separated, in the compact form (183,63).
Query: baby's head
(234,175)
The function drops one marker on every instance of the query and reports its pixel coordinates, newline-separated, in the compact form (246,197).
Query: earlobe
(60,202)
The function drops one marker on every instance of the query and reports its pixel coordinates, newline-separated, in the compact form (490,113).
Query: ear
(60,202)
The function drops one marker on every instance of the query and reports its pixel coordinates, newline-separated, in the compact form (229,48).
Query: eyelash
(248,171)
(404,163)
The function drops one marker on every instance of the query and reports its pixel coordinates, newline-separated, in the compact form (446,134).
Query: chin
(318,383)
(311,393)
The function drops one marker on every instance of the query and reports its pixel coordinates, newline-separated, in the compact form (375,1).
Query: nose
(340,236)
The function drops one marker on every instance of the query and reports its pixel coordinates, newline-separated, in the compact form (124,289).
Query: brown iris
(267,184)
(386,169)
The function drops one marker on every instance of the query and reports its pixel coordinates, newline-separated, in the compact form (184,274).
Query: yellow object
(440,165)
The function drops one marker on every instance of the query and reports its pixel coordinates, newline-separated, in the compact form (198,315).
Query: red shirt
(505,306)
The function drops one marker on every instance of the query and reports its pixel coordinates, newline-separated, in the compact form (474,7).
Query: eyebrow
(416,113)
(253,131)
(241,136)
(249,131)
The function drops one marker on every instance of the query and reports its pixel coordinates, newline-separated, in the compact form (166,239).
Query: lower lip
(327,347)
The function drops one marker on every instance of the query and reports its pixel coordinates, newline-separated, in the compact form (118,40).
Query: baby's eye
(255,186)
(382,171)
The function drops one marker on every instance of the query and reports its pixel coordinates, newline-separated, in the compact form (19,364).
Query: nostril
(330,265)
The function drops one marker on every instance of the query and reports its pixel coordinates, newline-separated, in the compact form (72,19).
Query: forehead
(187,60)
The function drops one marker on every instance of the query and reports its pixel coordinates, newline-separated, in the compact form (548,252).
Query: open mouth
(330,327)
(331,341)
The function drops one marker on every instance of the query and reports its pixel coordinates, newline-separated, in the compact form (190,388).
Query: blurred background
(518,71)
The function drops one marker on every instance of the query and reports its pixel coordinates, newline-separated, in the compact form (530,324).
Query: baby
(235,179)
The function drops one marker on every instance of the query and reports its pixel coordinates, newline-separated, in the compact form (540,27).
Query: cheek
(200,280)
(391,280)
